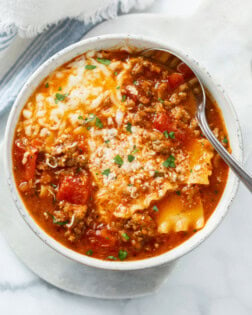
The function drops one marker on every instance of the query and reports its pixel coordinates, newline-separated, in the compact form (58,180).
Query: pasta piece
(200,167)
(174,216)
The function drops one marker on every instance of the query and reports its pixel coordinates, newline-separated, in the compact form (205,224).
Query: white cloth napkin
(30,17)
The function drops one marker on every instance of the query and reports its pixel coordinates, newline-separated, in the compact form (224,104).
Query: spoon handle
(236,167)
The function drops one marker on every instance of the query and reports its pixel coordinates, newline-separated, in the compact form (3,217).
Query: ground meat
(74,215)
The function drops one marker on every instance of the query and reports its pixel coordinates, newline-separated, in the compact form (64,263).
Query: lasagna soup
(109,159)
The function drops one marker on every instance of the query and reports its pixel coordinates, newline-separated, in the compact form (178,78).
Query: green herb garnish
(118,87)
(135,149)
(54,186)
(160,100)
(178,192)
(112,258)
(225,140)
(123,98)
(172,134)
(128,127)
(122,254)
(166,134)
(131,158)
(60,88)
(80,117)
(58,222)
(126,236)
(118,160)
(115,73)
(106,172)
(60,97)
(107,141)
(98,123)
(104,61)
(89,252)
(90,67)
(170,162)
(47,85)
(155,208)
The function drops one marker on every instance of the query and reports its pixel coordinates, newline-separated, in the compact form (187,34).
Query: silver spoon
(243,175)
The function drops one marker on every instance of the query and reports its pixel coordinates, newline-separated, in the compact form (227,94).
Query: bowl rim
(155,261)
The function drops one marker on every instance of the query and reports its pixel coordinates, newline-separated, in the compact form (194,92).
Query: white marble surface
(216,278)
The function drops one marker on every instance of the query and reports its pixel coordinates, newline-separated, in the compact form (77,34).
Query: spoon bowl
(162,55)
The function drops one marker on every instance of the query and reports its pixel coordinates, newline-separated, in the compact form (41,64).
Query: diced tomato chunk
(30,165)
(185,70)
(175,79)
(74,189)
(101,238)
(163,122)
(180,135)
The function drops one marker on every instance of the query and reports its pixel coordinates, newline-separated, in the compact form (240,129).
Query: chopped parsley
(118,160)
(135,149)
(125,236)
(166,134)
(128,127)
(80,117)
(54,186)
(58,222)
(112,258)
(131,158)
(89,252)
(47,85)
(98,123)
(130,185)
(178,192)
(155,208)
(90,67)
(160,100)
(60,97)
(60,88)
(118,87)
(123,98)
(225,140)
(172,134)
(170,162)
(105,62)
(122,254)
(135,82)
(106,172)
(107,141)
(115,73)
(90,118)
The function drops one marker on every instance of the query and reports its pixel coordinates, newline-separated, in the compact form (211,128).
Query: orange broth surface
(56,170)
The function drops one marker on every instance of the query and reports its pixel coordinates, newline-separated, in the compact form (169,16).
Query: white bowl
(106,42)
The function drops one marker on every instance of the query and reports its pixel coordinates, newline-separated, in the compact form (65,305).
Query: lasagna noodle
(119,184)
